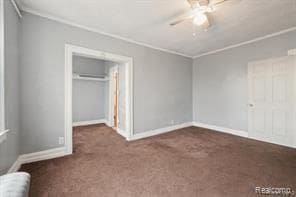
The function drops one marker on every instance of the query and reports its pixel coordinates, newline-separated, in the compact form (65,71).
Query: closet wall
(89,96)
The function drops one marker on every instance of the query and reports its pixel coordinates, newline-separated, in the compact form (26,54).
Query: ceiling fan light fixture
(200,19)
(210,9)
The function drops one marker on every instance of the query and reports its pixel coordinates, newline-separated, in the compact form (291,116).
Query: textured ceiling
(146,21)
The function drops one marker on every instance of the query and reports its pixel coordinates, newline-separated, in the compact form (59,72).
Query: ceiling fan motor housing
(203,2)
(198,3)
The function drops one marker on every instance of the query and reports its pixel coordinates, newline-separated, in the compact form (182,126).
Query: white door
(272,100)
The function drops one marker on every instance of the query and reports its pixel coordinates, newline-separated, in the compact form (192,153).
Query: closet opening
(98,90)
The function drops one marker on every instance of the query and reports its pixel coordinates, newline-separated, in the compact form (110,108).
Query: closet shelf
(89,77)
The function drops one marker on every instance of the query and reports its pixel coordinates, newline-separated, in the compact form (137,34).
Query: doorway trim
(111,101)
(70,51)
(265,137)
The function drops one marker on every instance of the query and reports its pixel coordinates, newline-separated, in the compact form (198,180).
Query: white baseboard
(38,156)
(121,132)
(272,142)
(15,166)
(150,133)
(89,122)
(108,123)
(43,155)
(237,133)
(62,151)
(221,129)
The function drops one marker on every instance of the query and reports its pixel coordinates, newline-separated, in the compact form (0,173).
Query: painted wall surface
(88,97)
(84,65)
(9,149)
(220,85)
(162,81)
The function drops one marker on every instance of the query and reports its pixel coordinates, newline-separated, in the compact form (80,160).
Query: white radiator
(15,185)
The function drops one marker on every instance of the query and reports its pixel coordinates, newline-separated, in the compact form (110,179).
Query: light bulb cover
(210,9)
(200,19)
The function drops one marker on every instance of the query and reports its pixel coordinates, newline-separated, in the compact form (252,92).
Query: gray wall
(88,96)
(84,65)
(9,149)
(220,94)
(162,81)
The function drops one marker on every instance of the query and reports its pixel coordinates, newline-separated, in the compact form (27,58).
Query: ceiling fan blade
(203,2)
(193,3)
(197,3)
(181,20)
(216,2)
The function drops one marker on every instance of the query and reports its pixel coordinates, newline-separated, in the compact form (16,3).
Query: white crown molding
(246,42)
(35,12)
(48,16)
(16,7)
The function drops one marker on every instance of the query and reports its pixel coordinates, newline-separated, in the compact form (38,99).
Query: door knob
(251,105)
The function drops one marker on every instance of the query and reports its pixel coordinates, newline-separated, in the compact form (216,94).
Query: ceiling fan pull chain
(194,30)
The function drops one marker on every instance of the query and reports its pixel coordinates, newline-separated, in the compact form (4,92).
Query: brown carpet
(186,163)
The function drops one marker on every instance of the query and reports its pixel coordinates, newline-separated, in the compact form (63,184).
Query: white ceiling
(147,21)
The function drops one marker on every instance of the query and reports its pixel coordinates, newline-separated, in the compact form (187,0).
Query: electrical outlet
(61,140)
(172,122)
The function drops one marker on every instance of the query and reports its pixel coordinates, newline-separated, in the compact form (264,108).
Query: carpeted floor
(187,163)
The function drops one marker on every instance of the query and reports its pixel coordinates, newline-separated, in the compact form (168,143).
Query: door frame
(111,101)
(294,95)
(70,51)
(294,67)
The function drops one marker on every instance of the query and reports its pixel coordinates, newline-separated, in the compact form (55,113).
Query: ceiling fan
(199,12)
